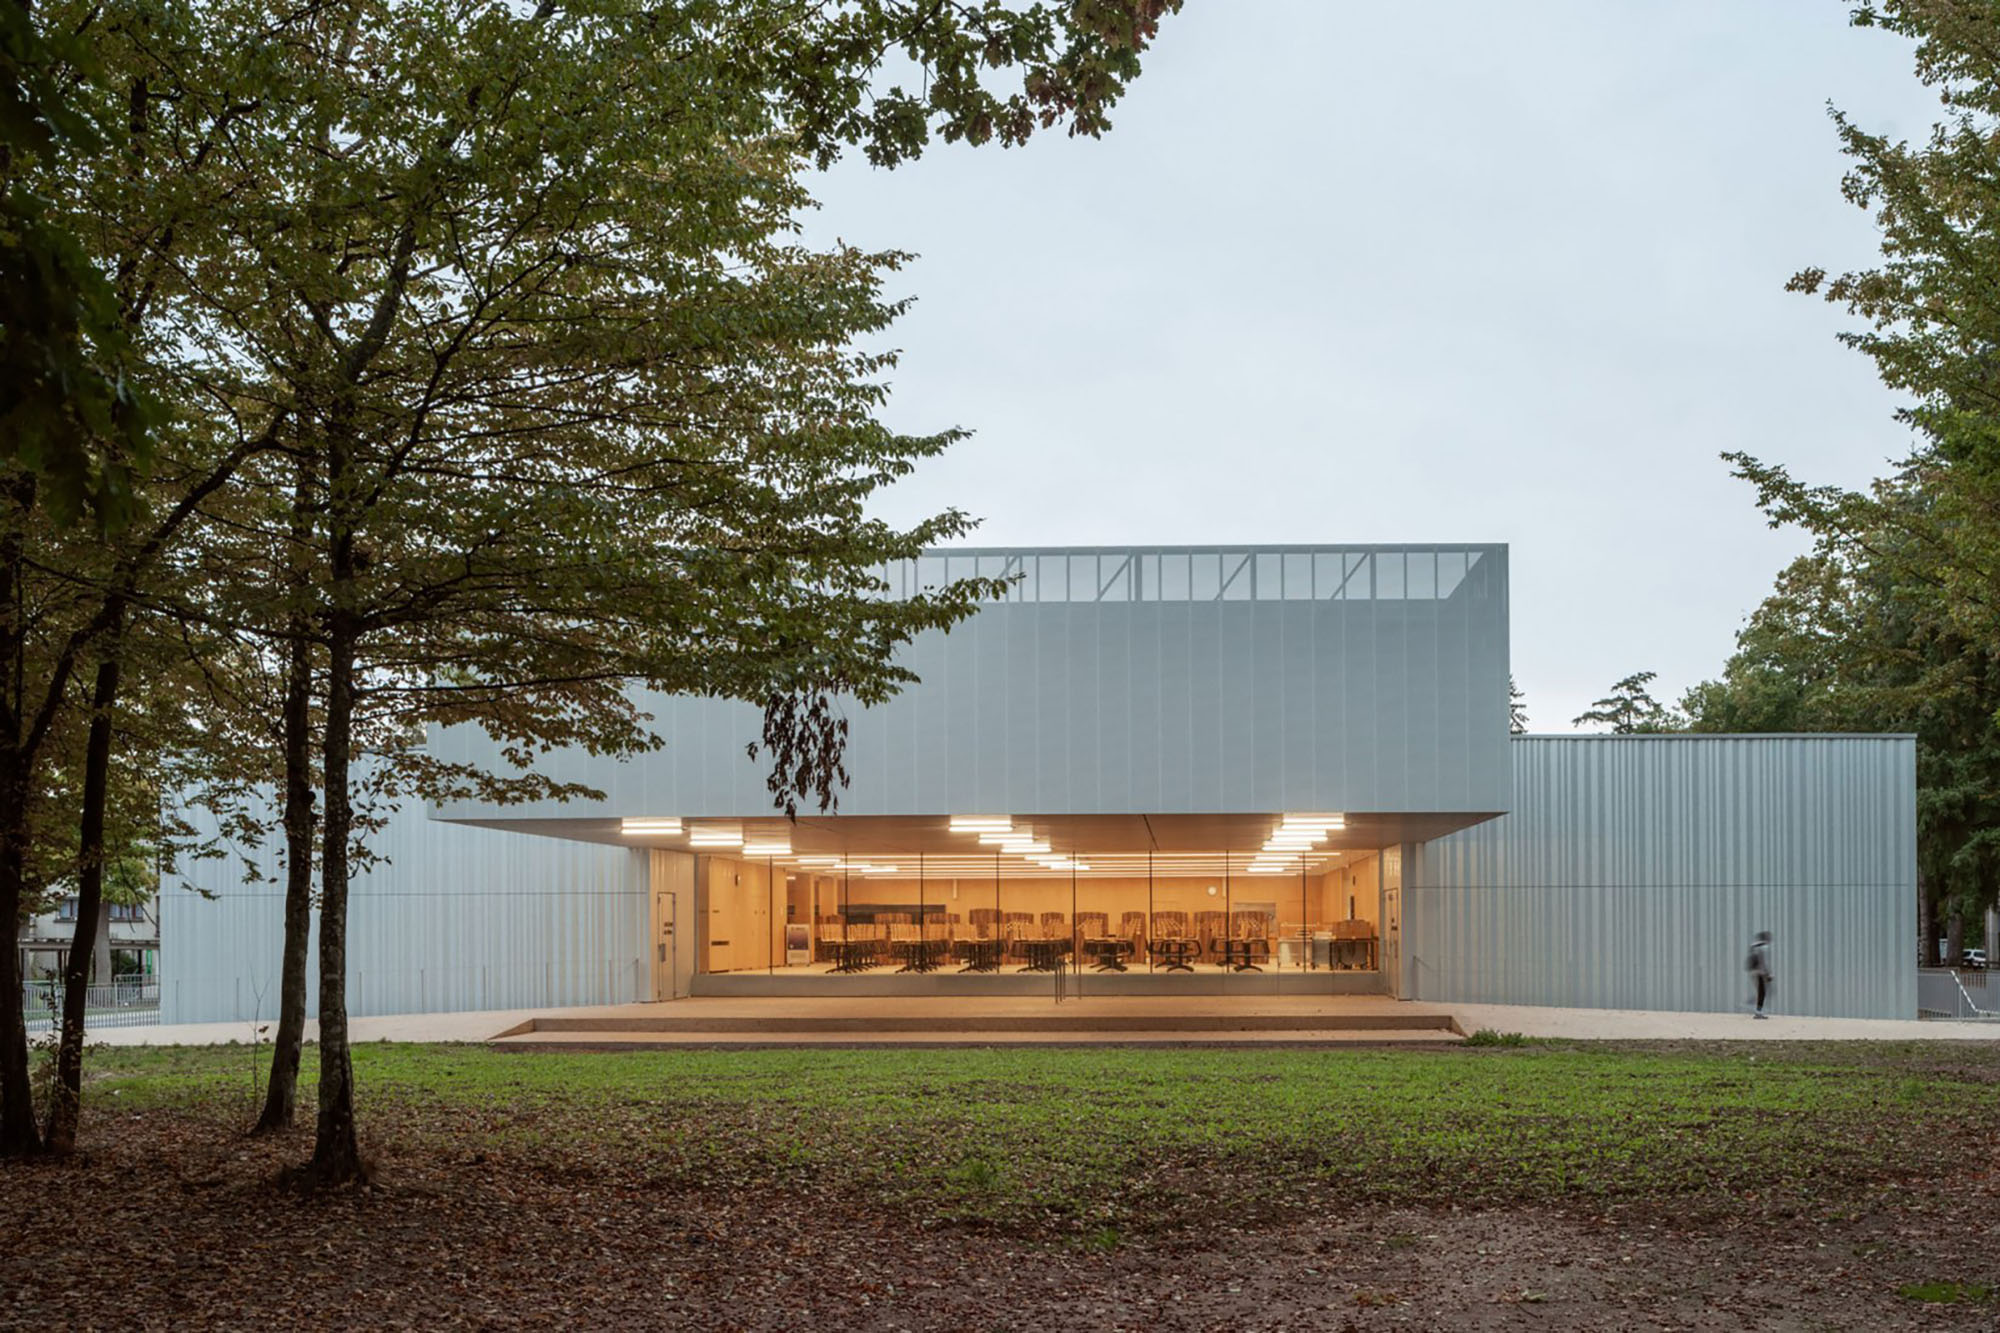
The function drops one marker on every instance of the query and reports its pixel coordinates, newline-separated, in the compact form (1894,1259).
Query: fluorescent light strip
(663,826)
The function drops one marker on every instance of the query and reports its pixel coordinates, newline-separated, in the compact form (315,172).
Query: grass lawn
(1130,1138)
(1549,1185)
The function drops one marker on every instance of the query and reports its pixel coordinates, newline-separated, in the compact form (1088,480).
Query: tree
(560,406)
(563,434)
(1912,564)
(1517,709)
(74,421)
(1843,645)
(1932,326)
(138,214)
(1629,708)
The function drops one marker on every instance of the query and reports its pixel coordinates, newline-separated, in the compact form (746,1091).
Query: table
(853,955)
(979,955)
(1111,951)
(918,955)
(1177,954)
(1044,955)
(1238,954)
(1355,953)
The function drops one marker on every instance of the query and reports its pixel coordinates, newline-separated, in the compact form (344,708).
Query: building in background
(128,942)
(1186,770)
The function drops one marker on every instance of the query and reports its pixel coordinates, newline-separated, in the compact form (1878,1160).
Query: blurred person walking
(1760,969)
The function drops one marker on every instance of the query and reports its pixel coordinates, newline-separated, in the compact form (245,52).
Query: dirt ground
(181,1226)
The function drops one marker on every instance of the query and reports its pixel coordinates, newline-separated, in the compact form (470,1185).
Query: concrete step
(945,1023)
(584,1039)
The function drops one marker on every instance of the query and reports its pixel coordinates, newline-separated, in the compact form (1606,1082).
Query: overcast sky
(1417,272)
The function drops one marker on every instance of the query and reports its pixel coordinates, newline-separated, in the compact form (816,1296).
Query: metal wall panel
(1365,679)
(453,918)
(1633,871)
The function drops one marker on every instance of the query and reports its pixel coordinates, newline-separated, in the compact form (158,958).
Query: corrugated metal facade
(1633,872)
(1136,681)
(453,918)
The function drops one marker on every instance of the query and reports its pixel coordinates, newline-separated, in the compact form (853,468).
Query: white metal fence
(134,1002)
(1958,993)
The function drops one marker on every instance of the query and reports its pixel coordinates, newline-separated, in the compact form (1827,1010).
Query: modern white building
(1179,769)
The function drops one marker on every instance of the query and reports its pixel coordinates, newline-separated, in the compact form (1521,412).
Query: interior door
(1392,939)
(668,983)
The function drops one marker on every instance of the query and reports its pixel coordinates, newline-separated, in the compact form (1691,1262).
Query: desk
(1043,955)
(1111,951)
(979,955)
(918,955)
(1177,954)
(1355,953)
(1244,955)
(853,955)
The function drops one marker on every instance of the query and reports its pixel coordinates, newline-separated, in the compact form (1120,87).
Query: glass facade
(1180,915)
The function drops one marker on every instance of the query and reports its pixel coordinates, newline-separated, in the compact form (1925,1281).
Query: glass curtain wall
(765,915)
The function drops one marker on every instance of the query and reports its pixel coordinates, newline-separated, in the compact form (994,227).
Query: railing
(111,1004)
(1949,993)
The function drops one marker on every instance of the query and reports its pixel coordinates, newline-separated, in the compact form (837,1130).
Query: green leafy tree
(1842,644)
(1629,708)
(1931,315)
(143,211)
(1912,564)
(505,303)
(574,408)
(72,422)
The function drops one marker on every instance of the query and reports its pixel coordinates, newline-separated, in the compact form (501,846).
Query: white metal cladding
(1296,678)
(1633,872)
(453,918)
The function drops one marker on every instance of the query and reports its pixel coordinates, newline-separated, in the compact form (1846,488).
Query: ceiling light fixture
(661,826)
(1319,822)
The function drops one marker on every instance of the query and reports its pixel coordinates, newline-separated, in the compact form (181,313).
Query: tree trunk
(68,1094)
(282,1097)
(336,1156)
(19,1135)
(336,1152)
(1954,937)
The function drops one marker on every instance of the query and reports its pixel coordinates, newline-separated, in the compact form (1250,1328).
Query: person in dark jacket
(1760,969)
